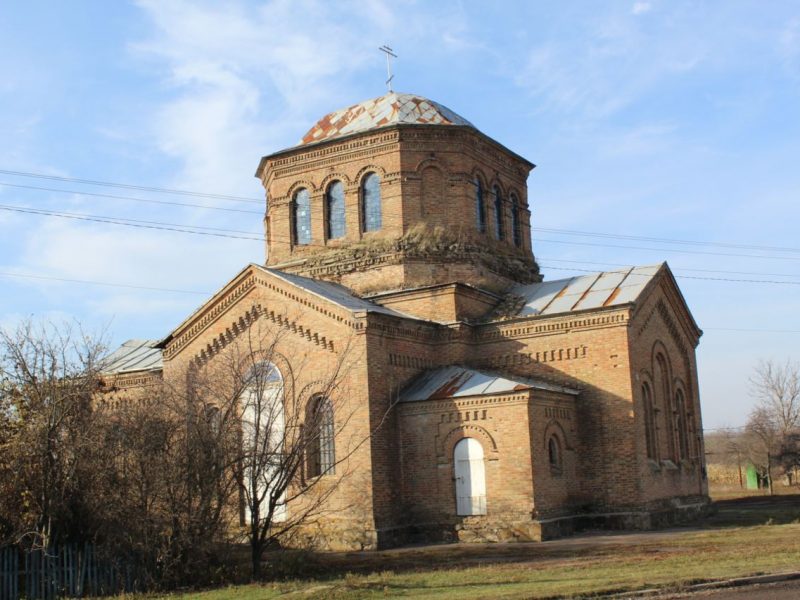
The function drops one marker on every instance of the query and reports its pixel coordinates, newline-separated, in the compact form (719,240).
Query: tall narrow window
(554,455)
(334,200)
(516,227)
(319,427)
(649,422)
(371,202)
(498,213)
(663,389)
(301,217)
(680,425)
(470,477)
(480,209)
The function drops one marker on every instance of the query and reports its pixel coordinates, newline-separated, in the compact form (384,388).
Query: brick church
(494,405)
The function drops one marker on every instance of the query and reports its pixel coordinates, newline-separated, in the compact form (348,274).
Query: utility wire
(681,276)
(261,201)
(128,222)
(131,186)
(177,291)
(674,267)
(103,283)
(226,233)
(594,244)
(45,189)
(663,240)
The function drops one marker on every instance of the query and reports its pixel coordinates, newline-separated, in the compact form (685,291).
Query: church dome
(391,109)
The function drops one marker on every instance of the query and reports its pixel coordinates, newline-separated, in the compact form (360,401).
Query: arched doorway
(470,477)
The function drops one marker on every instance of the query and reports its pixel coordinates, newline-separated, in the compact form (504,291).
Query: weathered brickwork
(567,442)
(428,182)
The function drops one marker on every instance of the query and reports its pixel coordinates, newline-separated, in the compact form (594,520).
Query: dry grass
(571,568)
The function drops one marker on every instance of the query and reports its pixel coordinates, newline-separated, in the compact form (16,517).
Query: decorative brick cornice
(257,311)
(211,314)
(256,277)
(465,404)
(535,325)
(137,379)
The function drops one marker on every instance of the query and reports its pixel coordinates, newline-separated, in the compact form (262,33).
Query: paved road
(788,590)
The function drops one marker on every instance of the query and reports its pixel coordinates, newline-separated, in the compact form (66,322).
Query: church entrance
(470,478)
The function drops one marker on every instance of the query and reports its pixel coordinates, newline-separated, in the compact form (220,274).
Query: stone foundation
(491,530)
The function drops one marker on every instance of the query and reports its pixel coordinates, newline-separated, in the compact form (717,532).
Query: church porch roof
(457,382)
(133,355)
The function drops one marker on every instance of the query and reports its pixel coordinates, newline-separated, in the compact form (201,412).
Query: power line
(45,189)
(128,186)
(682,276)
(129,222)
(226,233)
(197,293)
(663,240)
(260,201)
(753,330)
(594,244)
(676,268)
(103,283)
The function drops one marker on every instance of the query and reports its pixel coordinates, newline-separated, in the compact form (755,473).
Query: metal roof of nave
(134,355)
(596,290)
(391,109)
(458,382)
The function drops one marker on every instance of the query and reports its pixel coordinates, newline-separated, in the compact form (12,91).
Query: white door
(470,477)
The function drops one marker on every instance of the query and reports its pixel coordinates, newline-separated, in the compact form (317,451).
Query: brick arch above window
(366,170)
(335,176)
(300,183)
(447,443)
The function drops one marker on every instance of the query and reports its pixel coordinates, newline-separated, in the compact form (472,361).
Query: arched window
(334,205)
(516,227)
(371,202)
(665,400)
(498,213)
(262,438)
(470,477)
(680,425)
(651,438)
(554,455)
(480,208)
(320,451)
(301,217)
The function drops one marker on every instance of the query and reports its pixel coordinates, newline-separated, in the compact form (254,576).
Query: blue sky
(675,120)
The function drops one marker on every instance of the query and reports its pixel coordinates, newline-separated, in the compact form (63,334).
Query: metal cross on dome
(389,54)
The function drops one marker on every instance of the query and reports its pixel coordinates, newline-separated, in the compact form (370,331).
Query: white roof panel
(133,355)
(539,295)
(611,288)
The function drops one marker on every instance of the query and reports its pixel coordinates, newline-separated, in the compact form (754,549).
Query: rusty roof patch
(391,109)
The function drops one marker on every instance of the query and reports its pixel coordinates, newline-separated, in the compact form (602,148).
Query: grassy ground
(747,536)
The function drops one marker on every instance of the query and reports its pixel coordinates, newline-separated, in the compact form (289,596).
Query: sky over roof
(676,122)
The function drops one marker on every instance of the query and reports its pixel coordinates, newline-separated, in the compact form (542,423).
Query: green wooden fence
(68,571)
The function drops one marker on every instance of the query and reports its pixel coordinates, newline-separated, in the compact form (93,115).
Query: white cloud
(247,82)
(639,8)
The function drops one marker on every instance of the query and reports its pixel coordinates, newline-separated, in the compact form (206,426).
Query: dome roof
(391,109)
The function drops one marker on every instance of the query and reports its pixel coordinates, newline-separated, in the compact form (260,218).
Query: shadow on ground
(737,512)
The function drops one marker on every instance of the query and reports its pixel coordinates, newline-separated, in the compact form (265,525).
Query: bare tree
(776,419)
(764,441)
(49,375)
(776,387)
(292,442)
